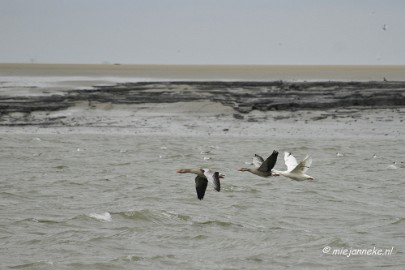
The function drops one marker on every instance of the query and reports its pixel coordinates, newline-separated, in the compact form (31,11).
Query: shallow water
(103,201)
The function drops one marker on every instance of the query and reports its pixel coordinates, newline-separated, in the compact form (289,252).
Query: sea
(113,200)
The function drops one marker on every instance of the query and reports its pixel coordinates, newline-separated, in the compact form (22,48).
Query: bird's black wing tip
(217,182)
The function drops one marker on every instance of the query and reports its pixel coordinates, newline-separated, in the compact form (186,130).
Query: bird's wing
(257,161)
(290,161)
(269,163)
(201,183)
(217,183)
(213,177)
(303,166)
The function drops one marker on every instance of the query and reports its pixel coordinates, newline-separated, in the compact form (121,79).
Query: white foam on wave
(392,167)
(103,217)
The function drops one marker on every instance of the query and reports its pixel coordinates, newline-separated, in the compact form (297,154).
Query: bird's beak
(179,171)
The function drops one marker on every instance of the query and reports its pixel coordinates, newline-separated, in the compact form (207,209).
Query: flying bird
(203,177)
(296,171)
(262,167)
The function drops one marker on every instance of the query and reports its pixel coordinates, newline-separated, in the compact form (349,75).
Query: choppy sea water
(103,201)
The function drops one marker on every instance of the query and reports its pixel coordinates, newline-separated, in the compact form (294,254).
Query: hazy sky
(203,31)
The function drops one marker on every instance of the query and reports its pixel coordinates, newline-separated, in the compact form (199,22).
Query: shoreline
(210,72)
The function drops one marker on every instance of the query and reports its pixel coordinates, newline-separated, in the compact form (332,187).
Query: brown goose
(202,178)
(263,168)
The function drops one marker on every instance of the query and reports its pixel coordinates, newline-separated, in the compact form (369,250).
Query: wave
(154,216)
(135,258)
(244,189)
(11,194)
(60,167)
(47,221)
(129,258)
(102,217)
(338,242)
(219,223)
(38,264)
(398,221)
(163,216)
(137,214)
(119,164)
(174,215)
(39,220)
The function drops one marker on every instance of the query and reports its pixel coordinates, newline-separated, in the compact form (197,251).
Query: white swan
(296,171)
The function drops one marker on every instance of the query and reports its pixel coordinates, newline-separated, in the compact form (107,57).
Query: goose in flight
(262,167)
(201,180)
(296,171)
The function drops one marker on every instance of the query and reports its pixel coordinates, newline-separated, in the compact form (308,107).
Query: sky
(206,32)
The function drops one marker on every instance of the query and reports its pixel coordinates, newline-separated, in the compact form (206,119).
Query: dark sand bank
(242,97)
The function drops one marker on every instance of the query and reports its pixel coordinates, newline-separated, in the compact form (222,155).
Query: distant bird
(202,178)
(385,79)
(339,154)
(262,167)
(384,27)
(296,171)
